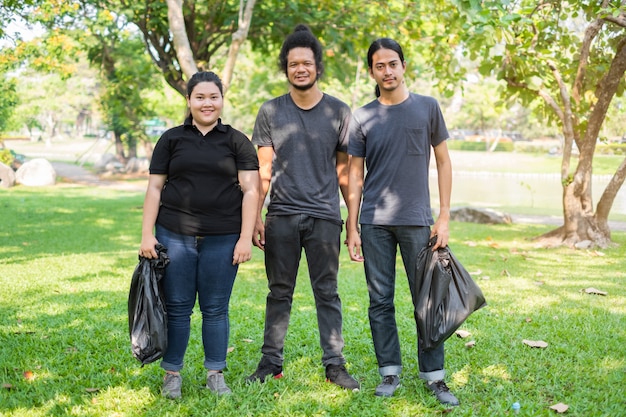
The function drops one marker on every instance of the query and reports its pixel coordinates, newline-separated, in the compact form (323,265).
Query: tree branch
(590,33)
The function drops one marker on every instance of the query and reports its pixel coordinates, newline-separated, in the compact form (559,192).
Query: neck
(306,99)
(205,129)
(395,96)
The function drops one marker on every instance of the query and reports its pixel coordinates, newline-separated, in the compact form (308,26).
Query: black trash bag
(445,295)
(147,315)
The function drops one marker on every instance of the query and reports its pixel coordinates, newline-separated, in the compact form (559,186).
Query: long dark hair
(383,43)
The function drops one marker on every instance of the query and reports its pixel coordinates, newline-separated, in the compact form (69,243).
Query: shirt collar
(220,127)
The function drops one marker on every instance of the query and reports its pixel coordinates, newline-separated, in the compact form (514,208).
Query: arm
(342,174)
(249,182)
(342,160)
(444,181)
(151,205)
(266,155)
(355,192)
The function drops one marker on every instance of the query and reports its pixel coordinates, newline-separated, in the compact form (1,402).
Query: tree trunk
(238,38)
(119,147)
(184,53)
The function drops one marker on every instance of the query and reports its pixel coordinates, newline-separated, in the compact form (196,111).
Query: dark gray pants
(285,237)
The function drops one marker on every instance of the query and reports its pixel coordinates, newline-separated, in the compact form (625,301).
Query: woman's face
(206,104)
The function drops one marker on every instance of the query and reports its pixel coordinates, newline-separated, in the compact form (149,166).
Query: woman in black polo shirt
(201,204)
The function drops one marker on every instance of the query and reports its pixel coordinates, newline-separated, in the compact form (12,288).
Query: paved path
(77,174)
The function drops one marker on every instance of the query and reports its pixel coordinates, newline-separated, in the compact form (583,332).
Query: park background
(90,72)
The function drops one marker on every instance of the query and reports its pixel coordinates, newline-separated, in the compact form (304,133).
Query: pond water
(528,191)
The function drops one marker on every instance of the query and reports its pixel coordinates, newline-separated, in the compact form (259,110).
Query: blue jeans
(285,236)
(379,245)
(202,266)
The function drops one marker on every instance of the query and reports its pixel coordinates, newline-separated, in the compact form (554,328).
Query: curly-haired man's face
(301,68)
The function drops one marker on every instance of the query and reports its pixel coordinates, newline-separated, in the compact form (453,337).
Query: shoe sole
(357,389)
(251,380)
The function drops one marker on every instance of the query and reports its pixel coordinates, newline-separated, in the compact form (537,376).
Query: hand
(147,249)
(354,246)
(242,252)
(258,238)
(440,229)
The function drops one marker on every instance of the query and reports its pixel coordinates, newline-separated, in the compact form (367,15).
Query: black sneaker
(264,370)
(442,392)
(388,386)
(337,374)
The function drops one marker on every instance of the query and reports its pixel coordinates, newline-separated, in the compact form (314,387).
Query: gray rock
(36,173)
(137,165)
(7,176)
(479,215)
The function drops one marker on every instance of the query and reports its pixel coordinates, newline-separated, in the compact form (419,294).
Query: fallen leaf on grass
(247,340)
(462,333)
(29,375)
(592,290)
(535,343)
(230,349)
(528,319)
(470,344)
(90,390)
(559,408)
(7,386)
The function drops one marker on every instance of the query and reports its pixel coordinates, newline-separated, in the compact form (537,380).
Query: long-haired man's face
(301,68)
(387,69)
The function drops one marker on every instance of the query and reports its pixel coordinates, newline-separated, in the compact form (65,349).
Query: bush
(6,157)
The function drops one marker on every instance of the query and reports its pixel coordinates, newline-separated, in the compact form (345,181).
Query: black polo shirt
(202,195)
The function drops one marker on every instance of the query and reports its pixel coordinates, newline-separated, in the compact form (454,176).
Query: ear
(371,73)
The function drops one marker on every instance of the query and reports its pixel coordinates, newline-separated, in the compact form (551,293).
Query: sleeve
(344,129)
(245,154)
(262,133)
(159,164)
(356,144)
(439,131)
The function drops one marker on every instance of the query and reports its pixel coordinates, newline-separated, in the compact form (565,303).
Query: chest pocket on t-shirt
(416,140)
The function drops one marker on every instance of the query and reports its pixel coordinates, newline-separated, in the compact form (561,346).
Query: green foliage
(64,347)
(8,100)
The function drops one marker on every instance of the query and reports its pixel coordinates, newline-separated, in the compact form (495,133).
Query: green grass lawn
(67,256)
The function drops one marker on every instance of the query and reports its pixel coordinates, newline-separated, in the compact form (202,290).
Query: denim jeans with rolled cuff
(285,237)
(379,246)
(202,267)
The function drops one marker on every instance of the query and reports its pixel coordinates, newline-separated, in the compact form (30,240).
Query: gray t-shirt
(395,141)
(305,142)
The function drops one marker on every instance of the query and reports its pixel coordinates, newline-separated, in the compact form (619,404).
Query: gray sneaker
(442,392)
(215,382)
(172,384)
(389,385)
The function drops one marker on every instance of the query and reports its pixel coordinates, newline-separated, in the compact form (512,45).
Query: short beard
(306,86)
